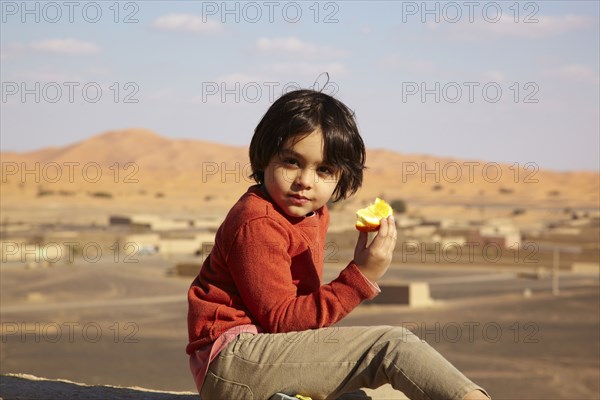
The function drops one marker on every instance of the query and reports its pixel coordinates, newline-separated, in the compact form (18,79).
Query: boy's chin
(297,212)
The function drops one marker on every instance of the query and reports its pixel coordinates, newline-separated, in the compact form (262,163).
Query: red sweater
(265,269)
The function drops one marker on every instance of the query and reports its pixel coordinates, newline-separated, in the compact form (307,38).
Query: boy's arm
(261,271)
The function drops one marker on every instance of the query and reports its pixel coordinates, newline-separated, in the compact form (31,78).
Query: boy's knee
(402,334)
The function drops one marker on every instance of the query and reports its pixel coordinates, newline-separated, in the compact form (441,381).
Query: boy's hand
(373,260)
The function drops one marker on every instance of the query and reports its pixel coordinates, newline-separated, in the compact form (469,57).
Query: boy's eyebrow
(291,152)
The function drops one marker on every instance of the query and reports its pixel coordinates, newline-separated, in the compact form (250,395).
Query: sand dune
(136,164)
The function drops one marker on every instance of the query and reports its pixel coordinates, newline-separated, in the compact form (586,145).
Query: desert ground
(125,324)
(524,322)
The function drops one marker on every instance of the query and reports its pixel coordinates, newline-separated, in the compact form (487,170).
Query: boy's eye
(290,161)
(326,170)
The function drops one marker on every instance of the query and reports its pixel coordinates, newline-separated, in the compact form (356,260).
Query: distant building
(498,231)
(172,243)
(157,223)
(119,220)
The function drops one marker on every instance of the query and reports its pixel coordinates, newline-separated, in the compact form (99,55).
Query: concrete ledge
(29,387)
(403,293)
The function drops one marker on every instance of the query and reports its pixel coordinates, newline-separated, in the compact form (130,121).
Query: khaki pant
(326,363)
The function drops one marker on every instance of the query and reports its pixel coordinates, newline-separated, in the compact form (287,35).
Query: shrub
(399,206)
(45,192)
(102,195)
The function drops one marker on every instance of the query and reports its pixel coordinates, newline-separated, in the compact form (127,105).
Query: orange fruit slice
(368,218)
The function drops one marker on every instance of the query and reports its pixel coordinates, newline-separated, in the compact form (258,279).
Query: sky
(504,81)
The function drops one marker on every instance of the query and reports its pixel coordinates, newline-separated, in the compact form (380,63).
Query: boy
(258,314)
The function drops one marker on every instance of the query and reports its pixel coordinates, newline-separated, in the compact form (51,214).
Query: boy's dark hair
(299,113)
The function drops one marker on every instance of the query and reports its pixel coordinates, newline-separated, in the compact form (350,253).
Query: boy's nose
(305,178)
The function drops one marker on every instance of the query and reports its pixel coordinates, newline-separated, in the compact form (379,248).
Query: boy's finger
(391,235)
(392,231)
(383,228)
(388,228)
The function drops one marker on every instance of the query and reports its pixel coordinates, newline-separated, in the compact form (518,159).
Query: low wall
(414,294)
(29,387)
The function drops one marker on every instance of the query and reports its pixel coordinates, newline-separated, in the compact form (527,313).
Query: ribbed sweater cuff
(366,288)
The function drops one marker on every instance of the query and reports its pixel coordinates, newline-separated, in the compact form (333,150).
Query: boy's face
(298,180)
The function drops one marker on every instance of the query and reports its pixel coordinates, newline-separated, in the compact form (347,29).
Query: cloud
(540,27)
(573,72)
(188,23)
(295,47)
(65,46)
(12,51)
(550,25)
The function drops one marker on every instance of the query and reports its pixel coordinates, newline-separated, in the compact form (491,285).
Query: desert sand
(139,170)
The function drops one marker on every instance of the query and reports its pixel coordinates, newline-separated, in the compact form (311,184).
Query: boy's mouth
(298,199)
